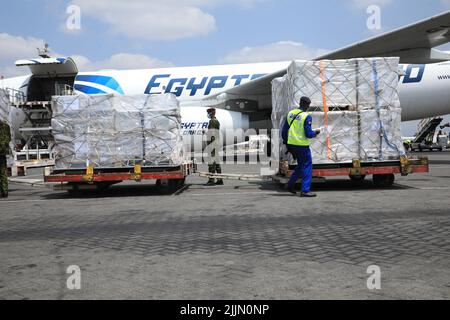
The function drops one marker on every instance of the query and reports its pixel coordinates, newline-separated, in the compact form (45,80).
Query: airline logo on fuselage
(207,85)
(194,128)
(163,83)
(413,73)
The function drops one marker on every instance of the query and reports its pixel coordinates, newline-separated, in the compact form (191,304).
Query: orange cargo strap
(325,107)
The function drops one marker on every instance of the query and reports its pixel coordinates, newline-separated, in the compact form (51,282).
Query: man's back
(214,124)
(213,129)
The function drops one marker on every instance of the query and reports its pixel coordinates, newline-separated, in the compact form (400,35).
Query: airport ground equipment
(105,139)
(443,141)
(356,104)
(31,139)
(37,150)
(424,140)
(168,179)
(382,172)
(30,105)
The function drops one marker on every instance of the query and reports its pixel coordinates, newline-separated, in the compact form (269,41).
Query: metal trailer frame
(419,147)
(91,177)
(383,171)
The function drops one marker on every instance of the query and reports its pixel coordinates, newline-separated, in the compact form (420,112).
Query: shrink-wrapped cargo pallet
(355,102)
(14,117)
(111,131)
(4,106)
(5,116)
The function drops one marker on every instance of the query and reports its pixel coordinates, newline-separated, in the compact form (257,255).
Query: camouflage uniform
(5,138)
(214,138)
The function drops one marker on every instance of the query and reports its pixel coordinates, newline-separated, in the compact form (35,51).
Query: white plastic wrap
(364,116)
(116,131)
(348,143)
(14,117)
(4,106)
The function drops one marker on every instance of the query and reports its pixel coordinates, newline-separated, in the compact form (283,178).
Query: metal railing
(427,129)
(63,90)
(15,97)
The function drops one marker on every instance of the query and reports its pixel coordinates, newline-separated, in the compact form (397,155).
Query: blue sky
(155,33)
(233,25)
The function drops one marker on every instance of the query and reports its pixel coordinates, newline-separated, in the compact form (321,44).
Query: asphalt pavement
(243,240)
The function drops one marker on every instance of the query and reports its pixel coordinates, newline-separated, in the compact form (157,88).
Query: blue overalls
(303,154)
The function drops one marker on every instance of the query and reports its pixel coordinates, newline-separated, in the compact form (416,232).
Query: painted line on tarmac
(12,201)
(229,194)
(435,188)
(48,200)
(180,191)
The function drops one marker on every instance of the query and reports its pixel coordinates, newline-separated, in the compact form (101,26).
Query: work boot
(219,182)
(308,195)
(292,190)
(210,183)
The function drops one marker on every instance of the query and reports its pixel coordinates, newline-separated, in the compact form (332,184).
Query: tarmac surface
(244,240)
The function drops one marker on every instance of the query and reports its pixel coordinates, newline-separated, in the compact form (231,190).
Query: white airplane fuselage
(424,89)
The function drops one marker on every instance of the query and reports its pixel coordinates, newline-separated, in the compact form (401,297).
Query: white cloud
(13,46)
(83,63)
(155,19)
(278,51)
(16,47)
(120,61)
(13,71)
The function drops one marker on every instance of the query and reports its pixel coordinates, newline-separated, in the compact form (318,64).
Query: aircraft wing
(259,91)
(413,44)
(257,87)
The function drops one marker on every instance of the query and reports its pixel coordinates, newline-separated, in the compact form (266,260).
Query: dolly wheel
(359,178)
(169,186)
(383,180)
(104,186)
(74,190)
(176,184)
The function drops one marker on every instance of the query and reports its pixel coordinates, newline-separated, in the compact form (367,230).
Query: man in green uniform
(214,147)
(5,138)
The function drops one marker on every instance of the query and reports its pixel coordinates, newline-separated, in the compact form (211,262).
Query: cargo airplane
(242,93)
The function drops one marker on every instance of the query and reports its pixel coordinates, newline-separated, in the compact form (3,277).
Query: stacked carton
(113,131)
(355,102)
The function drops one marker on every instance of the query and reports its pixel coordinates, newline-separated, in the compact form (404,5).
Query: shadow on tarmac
(333,186)
(116,191)
(142,190)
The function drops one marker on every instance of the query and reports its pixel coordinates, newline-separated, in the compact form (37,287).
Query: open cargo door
(50,76)
(48,67)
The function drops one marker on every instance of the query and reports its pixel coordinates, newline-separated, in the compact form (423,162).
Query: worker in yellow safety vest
(296,134)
